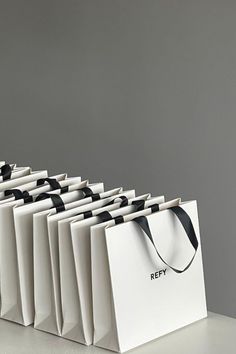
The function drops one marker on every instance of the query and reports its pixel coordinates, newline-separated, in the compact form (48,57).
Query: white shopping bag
(27,174)
(81,326)
(154,282)
(9,280)
(46,289)
(23,222)
(68,285)
(70,293)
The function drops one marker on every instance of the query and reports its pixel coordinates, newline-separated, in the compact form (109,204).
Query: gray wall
(135,93)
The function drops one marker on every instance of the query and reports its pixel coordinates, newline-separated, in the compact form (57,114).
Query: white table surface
(214,335)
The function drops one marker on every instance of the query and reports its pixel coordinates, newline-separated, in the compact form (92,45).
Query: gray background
(133,93)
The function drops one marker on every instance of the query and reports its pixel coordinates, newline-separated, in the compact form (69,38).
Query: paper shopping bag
(81,326)
(154,284)
(23,222)
(11,303)
(7,183)
(46,289)
(68,285)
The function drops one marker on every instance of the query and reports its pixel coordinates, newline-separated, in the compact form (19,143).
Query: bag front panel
(150,299)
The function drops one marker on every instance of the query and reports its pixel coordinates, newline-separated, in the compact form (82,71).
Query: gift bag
(68,285)
(154,281)
(46,289)
(9,182)
(9,280)
(23,222)
(81,326)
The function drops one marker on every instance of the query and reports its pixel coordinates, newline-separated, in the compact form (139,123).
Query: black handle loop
(154,207)
(95,196)
(64,189)
(87,214)
(89,193)
(56,200)
(105,216)
(54,184)
(187,225)
(18,194)
(27,198)
(139,204)
(124,201)
(119,219)
(6,172)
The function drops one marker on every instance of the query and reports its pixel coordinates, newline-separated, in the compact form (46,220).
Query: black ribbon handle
(89,193)
(187,225)
(105,216)
(18,194)
(87,214)
(54,184)
(6,172)
(124,201)
(139,204)
(119,219)
(56,200)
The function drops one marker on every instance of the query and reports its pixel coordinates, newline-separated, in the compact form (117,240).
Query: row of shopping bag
(98,267)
